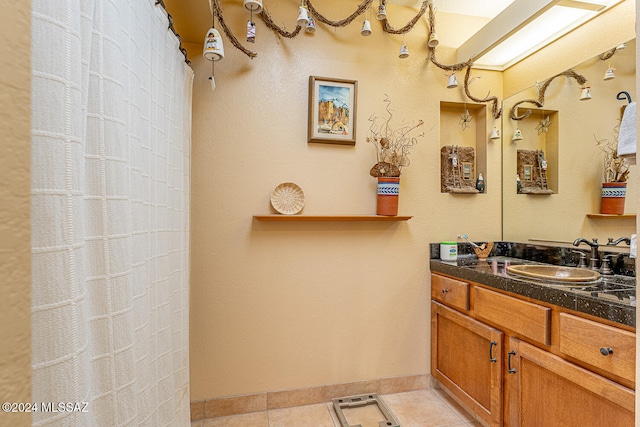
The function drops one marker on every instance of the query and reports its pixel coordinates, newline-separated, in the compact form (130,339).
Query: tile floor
(422,408)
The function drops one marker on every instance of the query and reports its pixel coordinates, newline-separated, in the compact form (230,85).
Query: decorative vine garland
(496,110)
(404,30)
(362,8)
(541,92)
(217,11)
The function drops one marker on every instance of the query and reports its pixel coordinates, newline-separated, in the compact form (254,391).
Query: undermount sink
(556,273)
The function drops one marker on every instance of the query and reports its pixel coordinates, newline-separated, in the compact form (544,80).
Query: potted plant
(616,172)
(392,145)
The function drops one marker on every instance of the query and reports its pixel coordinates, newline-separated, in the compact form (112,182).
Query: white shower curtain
(111,122)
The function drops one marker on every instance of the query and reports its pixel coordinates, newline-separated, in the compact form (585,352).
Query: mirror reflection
(555,152)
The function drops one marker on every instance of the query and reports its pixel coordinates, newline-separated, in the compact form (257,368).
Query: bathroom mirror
(565,131)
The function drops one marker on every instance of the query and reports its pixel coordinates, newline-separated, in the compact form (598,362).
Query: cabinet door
(466,359)
(545,390)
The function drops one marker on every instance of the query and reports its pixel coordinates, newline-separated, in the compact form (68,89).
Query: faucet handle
(605,268)
(583,259)
(610,241)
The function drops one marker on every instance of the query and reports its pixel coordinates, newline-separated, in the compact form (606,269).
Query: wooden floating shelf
(298,218)
(612,216)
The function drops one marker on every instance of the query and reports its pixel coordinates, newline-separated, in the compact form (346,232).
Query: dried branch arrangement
(392,144)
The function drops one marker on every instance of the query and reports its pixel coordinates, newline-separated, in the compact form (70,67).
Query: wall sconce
(586,93)
(517,135)
(404,51)
(453,82)
(495,134)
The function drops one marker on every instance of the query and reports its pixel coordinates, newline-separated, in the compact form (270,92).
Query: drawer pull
(444,291)
(511,370)
(606,351)
(491,358)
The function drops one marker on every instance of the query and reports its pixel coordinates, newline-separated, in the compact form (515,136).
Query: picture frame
(332,110)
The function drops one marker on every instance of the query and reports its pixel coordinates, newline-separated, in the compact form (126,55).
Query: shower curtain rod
(173,30)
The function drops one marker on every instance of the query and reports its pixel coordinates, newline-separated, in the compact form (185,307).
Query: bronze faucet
(615,243)
(595,259)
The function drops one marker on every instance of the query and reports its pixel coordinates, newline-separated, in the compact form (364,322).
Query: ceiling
(192,18)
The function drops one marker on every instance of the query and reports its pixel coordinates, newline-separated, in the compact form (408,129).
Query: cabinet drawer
(530,320)
(454,293)
(590,342)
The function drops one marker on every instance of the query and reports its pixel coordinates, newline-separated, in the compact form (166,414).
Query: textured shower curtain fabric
(111,122)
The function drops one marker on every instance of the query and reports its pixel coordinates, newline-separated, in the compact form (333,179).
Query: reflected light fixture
(526,26)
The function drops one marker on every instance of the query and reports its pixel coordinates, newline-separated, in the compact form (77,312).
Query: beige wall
(288,305)
(15,250)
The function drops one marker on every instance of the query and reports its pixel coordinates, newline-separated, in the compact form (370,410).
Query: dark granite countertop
(611,298)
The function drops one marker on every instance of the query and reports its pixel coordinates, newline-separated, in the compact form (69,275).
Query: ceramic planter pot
(613,196)
(388,191)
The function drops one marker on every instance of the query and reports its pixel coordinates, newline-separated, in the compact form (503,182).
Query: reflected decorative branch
(541,93)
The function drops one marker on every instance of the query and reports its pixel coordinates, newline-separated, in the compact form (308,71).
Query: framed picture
(332,110)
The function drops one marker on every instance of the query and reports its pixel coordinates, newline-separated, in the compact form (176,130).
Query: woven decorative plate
(287,198)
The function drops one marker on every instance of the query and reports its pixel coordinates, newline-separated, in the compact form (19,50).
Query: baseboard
(234,405)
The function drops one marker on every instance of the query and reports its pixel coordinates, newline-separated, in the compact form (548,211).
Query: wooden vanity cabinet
(466,359)
(546,390)
(499,356)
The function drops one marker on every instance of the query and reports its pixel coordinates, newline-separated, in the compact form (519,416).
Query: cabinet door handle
(444,291)
(511,370)
(605,351)
(491,358)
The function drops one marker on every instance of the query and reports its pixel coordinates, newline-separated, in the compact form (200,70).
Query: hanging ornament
(517,135)
(585,94)
(311,25)
(212,79)
(495,133)
(544,125)
(213,47)
(251,31)
(404,51)
(609,74)
(452,82)
(303,15)
(253,5)
(433,40)
(366,28)
(465,119)
(382,12)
